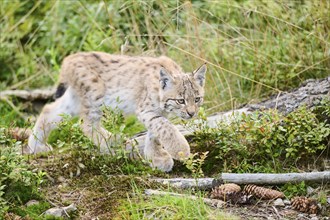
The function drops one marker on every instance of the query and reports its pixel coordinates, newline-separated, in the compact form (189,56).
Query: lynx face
(183,94)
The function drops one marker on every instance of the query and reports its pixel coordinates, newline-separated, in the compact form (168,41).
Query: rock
(279,202)
(32,202)
(60,211)
(328,200)
(301,215)
(313,217)
(57,212)
(310,190)
(287,202)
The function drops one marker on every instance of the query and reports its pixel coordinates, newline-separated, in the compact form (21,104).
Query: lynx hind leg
(99,135)
(92,101)
(159,158)
(49,118)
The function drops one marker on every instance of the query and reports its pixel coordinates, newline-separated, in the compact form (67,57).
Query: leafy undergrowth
(112,187)
(267,141)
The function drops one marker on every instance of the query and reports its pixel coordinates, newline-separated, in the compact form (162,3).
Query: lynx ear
(165,79)
(199,74)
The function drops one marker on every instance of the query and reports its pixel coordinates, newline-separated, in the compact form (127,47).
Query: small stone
(328,200)
(279,202)
(32,202)
(57,212)
(60,211)
(310,190)
(314,217)
(301,215)
(287,202)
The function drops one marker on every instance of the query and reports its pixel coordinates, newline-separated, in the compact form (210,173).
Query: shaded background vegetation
(253,48)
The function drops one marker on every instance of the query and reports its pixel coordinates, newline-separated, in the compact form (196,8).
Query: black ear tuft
(199,74)
(164,78)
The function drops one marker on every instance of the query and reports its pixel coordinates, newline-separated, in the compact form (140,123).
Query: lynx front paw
(164,164)
(178,147)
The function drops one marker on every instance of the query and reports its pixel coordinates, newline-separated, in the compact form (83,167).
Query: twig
(42,94)
(276,212)
(13,107)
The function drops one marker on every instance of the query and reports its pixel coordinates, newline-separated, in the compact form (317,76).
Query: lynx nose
(191,114)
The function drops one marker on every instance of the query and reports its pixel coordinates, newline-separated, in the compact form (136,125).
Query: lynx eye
(197,99)
(180,101)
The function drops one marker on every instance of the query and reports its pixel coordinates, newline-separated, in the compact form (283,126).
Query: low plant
(18,183)
(291,190)
(167,207)
(84,154)
(265,141)
(194,164)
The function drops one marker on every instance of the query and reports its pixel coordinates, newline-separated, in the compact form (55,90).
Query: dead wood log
(211,202)
(246,178)
(308,93)
(274,178)
(184,183)
(38,94)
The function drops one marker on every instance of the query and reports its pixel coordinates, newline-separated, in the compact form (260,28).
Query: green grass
(168,207)
(253,48)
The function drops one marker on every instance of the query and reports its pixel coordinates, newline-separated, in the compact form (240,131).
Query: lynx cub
(149,87)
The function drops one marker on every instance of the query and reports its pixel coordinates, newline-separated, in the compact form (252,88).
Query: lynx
(152,88)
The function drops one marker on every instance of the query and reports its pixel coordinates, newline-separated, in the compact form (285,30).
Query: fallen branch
(201,183)
(211,202)
(38,94)
(276,178)
(247,178)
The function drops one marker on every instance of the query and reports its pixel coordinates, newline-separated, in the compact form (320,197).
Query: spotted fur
(149,87)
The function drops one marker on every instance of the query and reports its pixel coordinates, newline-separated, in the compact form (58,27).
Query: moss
(34,211)
(18,193)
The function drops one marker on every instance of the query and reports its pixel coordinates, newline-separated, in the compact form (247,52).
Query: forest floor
(121,196)
(113,187)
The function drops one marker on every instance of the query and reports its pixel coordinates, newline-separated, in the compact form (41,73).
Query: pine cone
(262,192)
(224,190)
(304,204)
